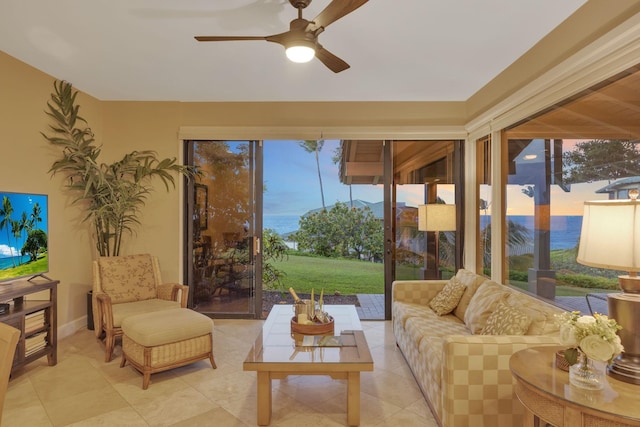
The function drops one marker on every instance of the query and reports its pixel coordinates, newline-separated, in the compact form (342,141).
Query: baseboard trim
(72,327)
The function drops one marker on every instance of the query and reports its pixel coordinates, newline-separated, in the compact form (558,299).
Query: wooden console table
(37,320)
(547,396)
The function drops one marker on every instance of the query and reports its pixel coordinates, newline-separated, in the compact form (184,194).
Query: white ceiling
(408,50)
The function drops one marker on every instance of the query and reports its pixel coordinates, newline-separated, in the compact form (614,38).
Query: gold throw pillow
(506,320)
(447,299)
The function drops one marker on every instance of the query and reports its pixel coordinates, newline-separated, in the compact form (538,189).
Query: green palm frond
(112,194)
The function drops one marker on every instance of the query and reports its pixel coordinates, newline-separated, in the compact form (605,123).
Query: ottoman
(161,340)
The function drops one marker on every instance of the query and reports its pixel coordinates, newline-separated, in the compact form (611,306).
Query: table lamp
(436,217)
(610,238)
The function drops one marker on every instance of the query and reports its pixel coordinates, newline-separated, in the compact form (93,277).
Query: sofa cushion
(447,299)
(542,314)
(434,326)
(405,310)
(122,311)
(483,304)
(166,326)
(506,320)
(472,281)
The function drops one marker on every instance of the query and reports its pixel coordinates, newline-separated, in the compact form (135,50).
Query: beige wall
(24,164)
(125,126)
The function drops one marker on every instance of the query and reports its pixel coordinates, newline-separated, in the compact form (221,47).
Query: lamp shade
(610,235)
(437,217)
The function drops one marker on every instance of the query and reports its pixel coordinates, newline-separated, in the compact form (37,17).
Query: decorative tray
(313,329)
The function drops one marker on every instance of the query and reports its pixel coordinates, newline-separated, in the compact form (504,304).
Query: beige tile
(161,384)
(174,406)
(83,390)
(372,410)
(20,393)
(22,407)
(311,390)
(70,377)
(221,386)
(33,416)
(406,418)
(389,387)
(73,408)
(306,419)
(421,408)
(218,416)
(120,417)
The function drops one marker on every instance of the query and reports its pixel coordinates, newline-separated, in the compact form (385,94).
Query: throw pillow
(472,281)
(542,315)
(447,299)
(506,320)
(482,304)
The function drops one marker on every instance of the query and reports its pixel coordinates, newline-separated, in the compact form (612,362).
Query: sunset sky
(291,179)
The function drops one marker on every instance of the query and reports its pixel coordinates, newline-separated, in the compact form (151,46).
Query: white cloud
(5,251)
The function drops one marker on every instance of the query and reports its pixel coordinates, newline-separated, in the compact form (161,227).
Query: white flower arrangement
(595,336)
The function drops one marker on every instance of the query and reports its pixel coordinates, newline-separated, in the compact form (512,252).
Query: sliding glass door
(224,232)
(425,174)
(337,216)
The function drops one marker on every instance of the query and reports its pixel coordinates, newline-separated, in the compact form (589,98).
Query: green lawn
(359,277)
(346,276)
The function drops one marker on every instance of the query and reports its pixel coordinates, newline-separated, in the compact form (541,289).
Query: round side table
(547,396)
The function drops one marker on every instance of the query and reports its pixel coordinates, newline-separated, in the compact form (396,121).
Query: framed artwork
(201,207)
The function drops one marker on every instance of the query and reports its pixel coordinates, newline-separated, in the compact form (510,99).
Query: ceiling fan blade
(331,61)
(336,10)
(227,38)
(275,38)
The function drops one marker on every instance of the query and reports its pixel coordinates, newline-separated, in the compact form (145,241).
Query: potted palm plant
(112,194)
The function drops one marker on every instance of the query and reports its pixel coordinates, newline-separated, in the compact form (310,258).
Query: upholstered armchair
(128,285)
(9,337)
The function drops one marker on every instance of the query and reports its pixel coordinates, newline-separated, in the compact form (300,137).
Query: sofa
(457,337)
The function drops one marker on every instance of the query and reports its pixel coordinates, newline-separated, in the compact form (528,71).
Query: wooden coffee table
(277,353)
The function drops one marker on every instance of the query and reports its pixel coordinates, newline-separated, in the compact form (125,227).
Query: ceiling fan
(301,41)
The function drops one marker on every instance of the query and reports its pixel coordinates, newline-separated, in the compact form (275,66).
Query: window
(585,148)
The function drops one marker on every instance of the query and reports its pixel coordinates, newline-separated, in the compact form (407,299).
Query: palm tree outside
(313,146)
(7,222)
(337,157)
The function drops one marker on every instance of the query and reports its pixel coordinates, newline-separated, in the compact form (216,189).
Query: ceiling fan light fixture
(301,51)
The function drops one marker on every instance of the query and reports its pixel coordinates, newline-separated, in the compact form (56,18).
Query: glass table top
(277,344)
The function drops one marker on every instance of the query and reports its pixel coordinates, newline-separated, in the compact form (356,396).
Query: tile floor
(83,390)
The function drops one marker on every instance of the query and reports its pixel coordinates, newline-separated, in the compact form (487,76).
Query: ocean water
(565,230)
(7,263)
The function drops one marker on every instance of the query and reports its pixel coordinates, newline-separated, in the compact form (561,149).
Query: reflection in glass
(223,228)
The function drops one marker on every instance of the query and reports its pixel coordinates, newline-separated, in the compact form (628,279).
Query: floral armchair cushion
(129,278)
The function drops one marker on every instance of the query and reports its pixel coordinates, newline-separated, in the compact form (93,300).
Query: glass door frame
(255,228)
(390,225)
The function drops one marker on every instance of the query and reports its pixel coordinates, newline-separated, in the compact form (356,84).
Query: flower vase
(585,373)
